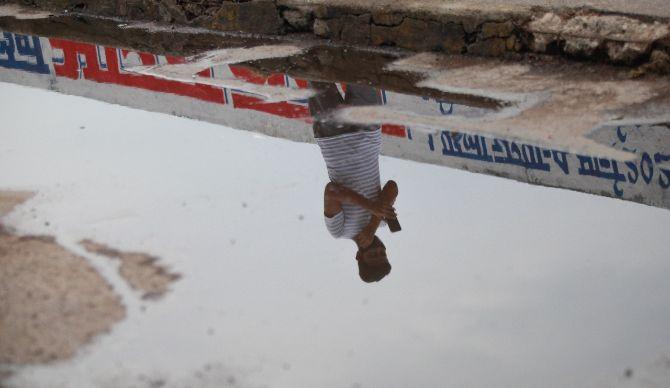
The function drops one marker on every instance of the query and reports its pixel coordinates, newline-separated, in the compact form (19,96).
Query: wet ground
(178,170)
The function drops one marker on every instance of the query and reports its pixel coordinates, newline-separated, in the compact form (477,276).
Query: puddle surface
(272,238)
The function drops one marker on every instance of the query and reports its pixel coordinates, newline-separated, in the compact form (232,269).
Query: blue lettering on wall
(531,157)
(22,52)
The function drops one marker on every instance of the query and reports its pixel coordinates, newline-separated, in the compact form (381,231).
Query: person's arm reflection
(354,203)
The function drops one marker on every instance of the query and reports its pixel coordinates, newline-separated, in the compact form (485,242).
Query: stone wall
(576,33)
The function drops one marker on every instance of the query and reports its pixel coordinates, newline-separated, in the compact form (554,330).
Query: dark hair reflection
(355,204)
(373,264)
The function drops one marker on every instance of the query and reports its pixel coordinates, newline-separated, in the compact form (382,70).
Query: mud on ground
(52,301)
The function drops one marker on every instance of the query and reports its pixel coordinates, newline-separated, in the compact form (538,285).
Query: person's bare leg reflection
(354,203)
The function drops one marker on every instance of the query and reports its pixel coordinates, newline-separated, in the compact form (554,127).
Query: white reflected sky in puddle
(494,283)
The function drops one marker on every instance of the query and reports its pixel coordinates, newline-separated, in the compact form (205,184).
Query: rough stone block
(324,12)
(356,29)
(581,46)
(386,18)
(381,35)
(497,30)
(260,16)
(298,19)
(122,7)
(490,47)
(419,35)
(169,12)
(320,28)
(335,26)
(514,43)
(140,9)
(470,24)
(626,52)
(540,42)
(328,28)
(549,23)
(453,38)
(660,62)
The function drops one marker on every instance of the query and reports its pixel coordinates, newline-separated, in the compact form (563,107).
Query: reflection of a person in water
(355,204)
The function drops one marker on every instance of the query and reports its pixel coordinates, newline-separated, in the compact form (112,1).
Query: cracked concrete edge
(453,27)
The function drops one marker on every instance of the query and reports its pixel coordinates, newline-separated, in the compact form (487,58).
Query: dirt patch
(10,199)
(140,270)
(51,301)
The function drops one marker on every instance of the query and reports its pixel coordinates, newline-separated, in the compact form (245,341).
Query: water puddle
(318,207)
